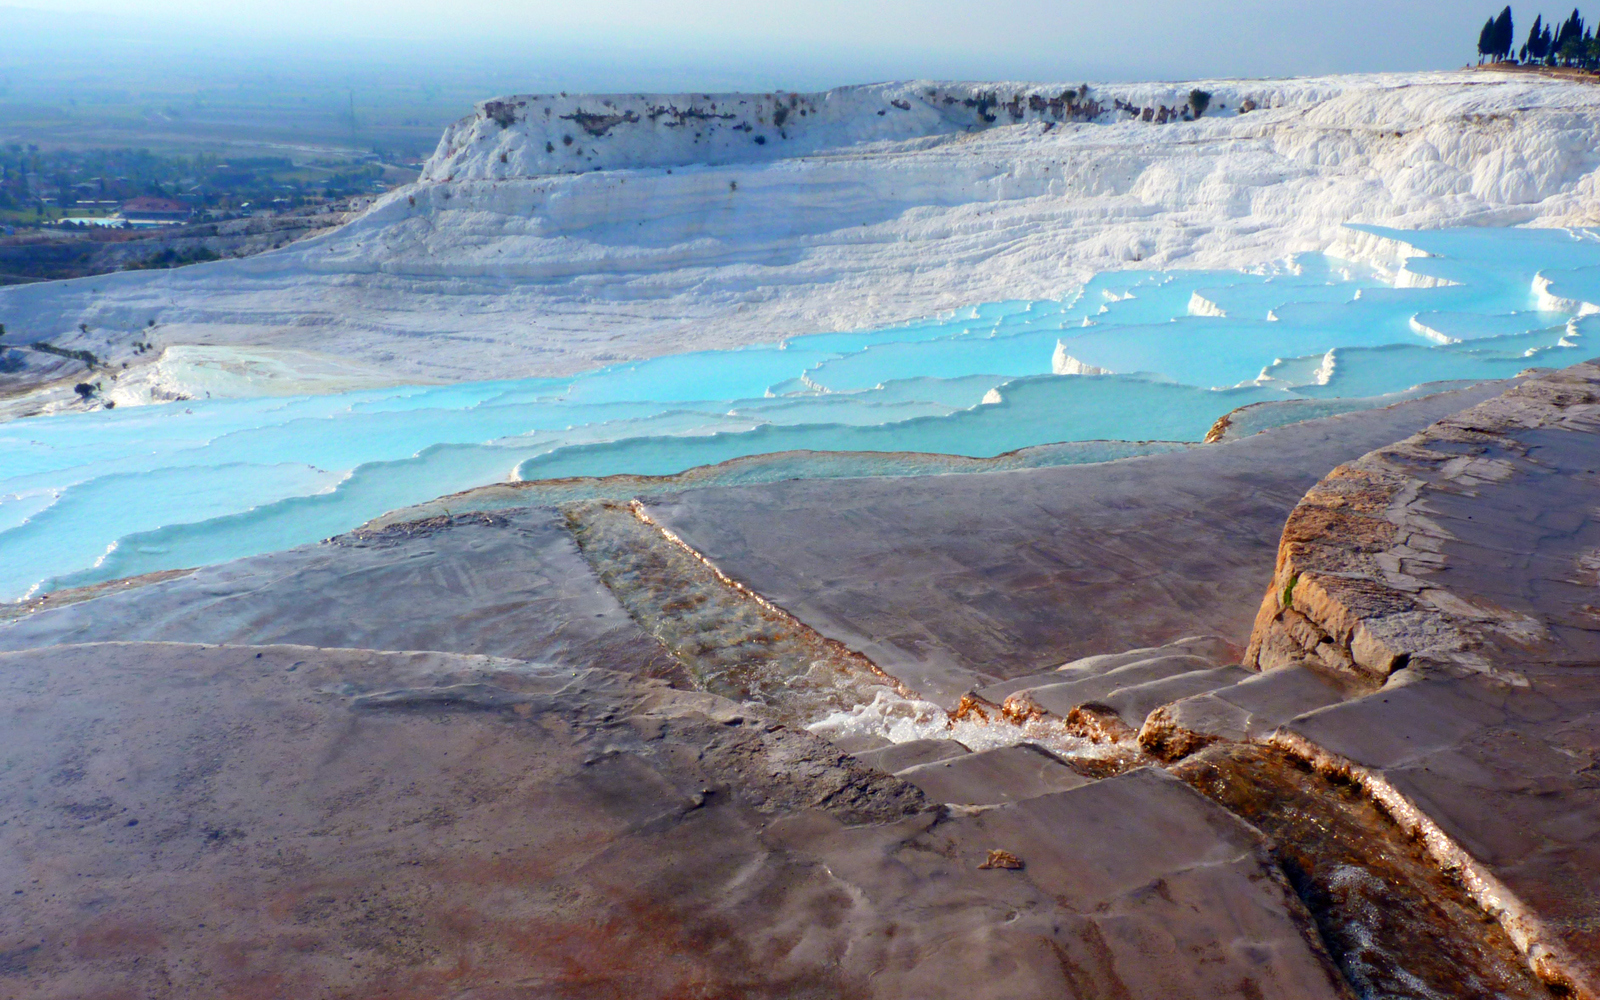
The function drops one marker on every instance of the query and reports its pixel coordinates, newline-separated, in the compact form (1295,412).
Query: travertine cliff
(678,222)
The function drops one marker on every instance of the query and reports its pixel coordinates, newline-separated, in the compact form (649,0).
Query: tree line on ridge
(1571,43)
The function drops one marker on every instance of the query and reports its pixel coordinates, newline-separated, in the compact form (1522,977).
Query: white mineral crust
(662,227)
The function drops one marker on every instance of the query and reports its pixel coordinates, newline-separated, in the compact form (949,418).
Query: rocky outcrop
(1357,586)
(1455,574)
(539,134)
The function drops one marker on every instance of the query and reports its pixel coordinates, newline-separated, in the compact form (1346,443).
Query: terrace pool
(1136,356)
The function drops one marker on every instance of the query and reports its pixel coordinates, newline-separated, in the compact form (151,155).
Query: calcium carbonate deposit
(642,284)
(553,234)
(1132,357)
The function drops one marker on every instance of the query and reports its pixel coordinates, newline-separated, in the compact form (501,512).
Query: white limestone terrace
(672,223)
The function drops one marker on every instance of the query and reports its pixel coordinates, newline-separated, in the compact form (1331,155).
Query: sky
(758,44)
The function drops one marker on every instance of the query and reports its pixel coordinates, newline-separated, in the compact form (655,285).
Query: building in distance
(154,211)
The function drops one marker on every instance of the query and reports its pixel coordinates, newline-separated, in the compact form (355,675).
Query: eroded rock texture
(275,821)
(1458,568)
(540,753)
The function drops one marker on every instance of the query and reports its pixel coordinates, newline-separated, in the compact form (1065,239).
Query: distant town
(70,213)
(134,189)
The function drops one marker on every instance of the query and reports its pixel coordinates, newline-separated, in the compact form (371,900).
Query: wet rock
(1083,681)
(729,640)
(1451,566)
(1008,774)
(1132,691)
(1248,710)
(1133,704)
(1396,924)
(898,756)
(951,583)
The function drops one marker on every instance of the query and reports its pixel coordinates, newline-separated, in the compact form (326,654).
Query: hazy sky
(811,43)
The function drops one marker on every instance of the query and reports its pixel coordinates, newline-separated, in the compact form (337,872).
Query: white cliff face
(677,222)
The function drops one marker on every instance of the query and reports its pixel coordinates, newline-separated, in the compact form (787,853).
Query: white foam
(898,719)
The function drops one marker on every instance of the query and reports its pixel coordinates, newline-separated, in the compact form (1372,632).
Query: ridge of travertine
(1456,570)
(1351,589)
(534,135)
(518,254)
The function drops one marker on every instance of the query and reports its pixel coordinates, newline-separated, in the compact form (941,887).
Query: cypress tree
(1570,29)
(1504,36)
(1486,40)
(1568,40)
(1532,48)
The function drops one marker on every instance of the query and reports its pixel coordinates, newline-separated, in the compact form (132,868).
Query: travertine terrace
(248,779)
(555,233)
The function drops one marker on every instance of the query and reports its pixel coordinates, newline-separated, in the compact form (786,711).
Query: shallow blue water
(94,496)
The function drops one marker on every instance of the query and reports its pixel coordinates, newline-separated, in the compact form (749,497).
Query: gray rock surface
(1079,843)
(1061,691)
(1007,774)
(1144,664)
(1251,709)
(1460,568)
(899,756)
(504,584)
(248,817)
(197,821)
(952,582)
(1133,703)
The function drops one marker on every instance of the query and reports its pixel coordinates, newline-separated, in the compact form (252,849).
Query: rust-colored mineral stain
(110,937)
(1396,925)
(1002,859)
